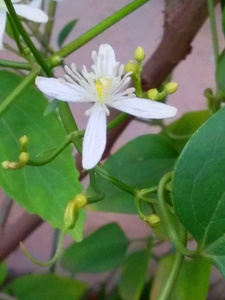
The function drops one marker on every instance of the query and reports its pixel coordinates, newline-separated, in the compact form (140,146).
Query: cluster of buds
(169,88)
(23,158)
(72,210)
(135,68)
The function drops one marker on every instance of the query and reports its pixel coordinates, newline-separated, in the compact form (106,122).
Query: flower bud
(24,158)
(14,165)
(153,220)
(5,164)
(171,87)
(71,214)
(24,141)
(80,200)
(139,54)
(55,60)
(153,94)
(131,67)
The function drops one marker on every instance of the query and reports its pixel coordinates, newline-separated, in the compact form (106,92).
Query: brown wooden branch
(183,19)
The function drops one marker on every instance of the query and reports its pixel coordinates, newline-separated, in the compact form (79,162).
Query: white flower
(102,87)
(37,3)
(23,10)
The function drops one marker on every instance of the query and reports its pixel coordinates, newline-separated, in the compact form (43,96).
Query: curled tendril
(54,258)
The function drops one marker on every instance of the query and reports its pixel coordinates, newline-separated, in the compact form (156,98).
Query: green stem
(104,174)
(168,287)
(16,35)
(99,28)
(27,40)
(167,219)
(53,155)
(56,237)
(213,28)
(55,257)
(120,118)
(15,65)
(137,83)
(49,25)
(70,124)
(19,90)
(99,194)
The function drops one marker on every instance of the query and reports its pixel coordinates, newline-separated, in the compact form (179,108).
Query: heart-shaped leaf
(44,190)
(198,188)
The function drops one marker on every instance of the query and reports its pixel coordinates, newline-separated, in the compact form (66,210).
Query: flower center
(102,86)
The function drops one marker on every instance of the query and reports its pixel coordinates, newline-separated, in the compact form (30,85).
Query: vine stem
(49,25)
(213,28)
(15,64)
(56,255)
(27,39)
(167,219)
(168,287)
(99,28)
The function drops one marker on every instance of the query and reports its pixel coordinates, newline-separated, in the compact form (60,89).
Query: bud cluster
(23,158)
(169,88)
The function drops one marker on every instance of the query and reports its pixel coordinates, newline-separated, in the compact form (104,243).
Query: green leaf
(180,131)
(198,188)
(65,32)
(101,251)
(140,163)
(220,72)
(52,106)
(3,272)
(133,276)
(193,280)
(46,286)
(44,190)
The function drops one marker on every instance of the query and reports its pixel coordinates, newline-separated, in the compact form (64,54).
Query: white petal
(56,89)
(106,61)
(94,137)
(2,26)
(36,3)
(144,108)
(31,13)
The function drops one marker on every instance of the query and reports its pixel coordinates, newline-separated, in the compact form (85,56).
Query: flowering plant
(172,180)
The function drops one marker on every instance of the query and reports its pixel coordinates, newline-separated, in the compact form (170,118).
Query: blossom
(102,87)
(26,11)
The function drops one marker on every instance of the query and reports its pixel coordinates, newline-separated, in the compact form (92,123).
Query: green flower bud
(55,60)
(153,94)
(24,158)
(131,67)
(80,200)
(171,87)
(139,54)
(24,141)
(71,214)
(153,220)
(5,164)
(14,165)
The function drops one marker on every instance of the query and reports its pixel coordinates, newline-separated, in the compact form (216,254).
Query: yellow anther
(101,86)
